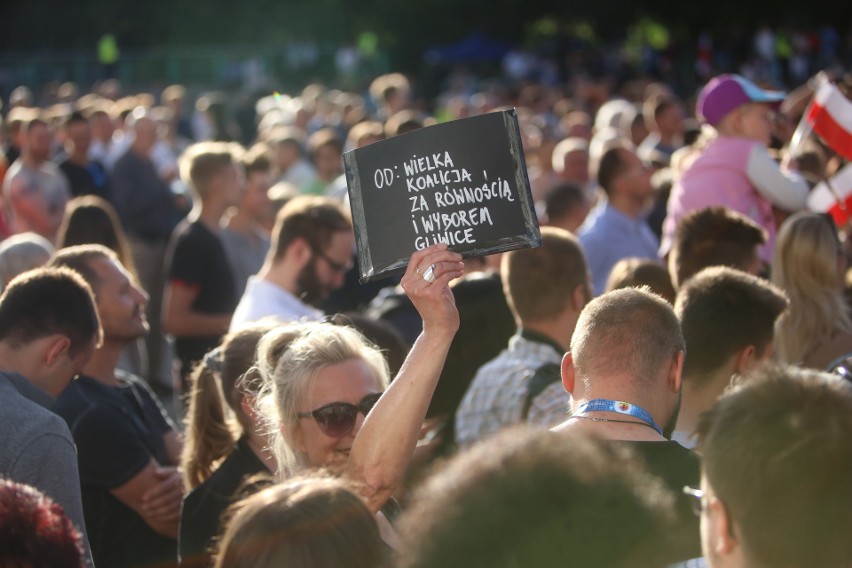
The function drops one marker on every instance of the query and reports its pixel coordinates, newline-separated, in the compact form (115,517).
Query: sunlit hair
(34,531)
(202,161)
(92,220)
(542,499)
(22,252)
(776,453)
(320,345)
(805,266)
(313,218)
(539,283)
(302,523)
(218,383)
(630,332)
(633,272)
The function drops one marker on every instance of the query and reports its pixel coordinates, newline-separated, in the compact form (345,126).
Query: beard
(311,290)
(671,423)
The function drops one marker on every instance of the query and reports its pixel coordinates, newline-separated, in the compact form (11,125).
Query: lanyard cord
(619,407)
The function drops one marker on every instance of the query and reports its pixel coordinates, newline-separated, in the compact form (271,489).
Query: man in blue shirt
(48,331)
(617,228)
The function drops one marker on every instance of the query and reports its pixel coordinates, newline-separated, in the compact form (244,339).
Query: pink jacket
(719,177)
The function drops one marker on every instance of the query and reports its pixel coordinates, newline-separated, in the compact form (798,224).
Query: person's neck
(101,367)
(616,426)
(698,399)
(328,177)
(556,330)
(240,222)
(31,161)
(627,205)
(731,132)
(141,151)
(209,213)
(279,274)
(78,158)
(14,360)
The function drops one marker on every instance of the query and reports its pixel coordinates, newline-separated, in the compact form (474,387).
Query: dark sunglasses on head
(337,419)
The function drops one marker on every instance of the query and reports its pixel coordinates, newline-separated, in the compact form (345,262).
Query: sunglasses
(333,264)
(337,419)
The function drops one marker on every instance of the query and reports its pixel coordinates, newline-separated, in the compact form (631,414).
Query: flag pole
(804,128)
(840,202)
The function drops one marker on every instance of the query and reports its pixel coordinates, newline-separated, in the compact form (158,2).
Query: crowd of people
(664,382)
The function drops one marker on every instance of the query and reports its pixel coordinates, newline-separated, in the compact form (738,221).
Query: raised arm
(783,188)
(386,441)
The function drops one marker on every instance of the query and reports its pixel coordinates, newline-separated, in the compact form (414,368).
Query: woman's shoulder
(827,351)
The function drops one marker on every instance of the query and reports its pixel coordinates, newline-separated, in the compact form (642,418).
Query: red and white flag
(834,196)
(830,116)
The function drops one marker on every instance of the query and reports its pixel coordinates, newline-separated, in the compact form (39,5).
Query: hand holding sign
(462,183)
(426,282)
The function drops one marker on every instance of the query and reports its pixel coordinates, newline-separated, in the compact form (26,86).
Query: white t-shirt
(263,299)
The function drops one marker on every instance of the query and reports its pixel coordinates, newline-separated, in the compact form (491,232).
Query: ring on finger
(429,274)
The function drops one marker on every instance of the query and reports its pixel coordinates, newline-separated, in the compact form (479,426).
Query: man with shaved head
(624,371)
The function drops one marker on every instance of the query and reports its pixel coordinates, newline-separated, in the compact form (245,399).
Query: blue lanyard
(606,405)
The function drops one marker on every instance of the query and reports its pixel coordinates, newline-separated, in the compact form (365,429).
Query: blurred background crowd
(200,194)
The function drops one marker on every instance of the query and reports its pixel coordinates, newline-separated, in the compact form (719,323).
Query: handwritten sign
(463,183)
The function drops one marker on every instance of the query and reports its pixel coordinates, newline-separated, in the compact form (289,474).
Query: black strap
(541,378)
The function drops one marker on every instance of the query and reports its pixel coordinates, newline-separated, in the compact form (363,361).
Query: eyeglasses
(696,499)
(842,367)
(337,419)
(333,264)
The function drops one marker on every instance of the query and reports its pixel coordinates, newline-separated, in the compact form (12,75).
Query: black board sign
(462,182)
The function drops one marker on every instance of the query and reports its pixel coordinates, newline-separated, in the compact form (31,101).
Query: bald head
(141,121)
(629,333)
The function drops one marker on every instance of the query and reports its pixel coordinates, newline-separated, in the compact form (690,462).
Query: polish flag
(830,116)
(834,197)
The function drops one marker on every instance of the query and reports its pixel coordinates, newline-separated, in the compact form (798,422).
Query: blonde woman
(809,265)
(331,403)
(226,439)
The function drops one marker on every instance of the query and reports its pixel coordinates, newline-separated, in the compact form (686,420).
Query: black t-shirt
(200,518)
(676,467)
(197,259)
(88,180)
(118,431)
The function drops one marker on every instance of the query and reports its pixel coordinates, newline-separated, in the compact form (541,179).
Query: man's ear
(568,373)
(724,540)
(579,298)
(675,378)
(745,359)
(57,349)
(300,252)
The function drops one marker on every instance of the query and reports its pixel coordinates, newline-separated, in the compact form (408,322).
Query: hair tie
(213,360)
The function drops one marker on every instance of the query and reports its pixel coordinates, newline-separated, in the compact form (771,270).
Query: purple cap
(727,92)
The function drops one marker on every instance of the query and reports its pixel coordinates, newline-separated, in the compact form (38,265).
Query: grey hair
(23,252)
